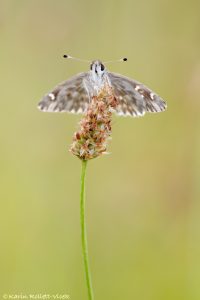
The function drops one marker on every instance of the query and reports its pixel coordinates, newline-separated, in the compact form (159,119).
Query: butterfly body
(96,79)
(73,95)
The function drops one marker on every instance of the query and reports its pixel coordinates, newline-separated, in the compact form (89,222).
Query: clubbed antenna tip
(75,58)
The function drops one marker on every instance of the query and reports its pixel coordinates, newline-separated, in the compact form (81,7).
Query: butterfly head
(97,69)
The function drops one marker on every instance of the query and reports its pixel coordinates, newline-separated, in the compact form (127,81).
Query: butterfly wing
(134,98)
(68,96)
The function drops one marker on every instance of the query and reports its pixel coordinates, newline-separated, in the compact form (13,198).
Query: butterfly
(73,95)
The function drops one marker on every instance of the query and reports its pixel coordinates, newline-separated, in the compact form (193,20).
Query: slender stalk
(84,233)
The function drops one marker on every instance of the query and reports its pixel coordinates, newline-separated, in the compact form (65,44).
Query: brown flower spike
(95,127)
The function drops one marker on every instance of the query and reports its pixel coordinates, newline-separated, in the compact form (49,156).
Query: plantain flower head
(91,139)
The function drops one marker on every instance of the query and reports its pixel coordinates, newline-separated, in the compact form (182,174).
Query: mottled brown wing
(68,96)
(134,98)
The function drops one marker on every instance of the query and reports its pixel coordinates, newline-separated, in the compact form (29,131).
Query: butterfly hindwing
(134,98)
(69,96)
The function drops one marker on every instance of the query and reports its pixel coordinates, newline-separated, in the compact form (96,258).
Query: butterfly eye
(102,67)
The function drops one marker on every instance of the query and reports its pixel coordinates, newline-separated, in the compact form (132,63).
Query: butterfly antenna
(118,60)
(74,58)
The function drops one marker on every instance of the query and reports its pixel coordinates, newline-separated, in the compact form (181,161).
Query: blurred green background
(143,212)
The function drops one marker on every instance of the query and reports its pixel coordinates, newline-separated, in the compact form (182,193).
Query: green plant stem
(84,233)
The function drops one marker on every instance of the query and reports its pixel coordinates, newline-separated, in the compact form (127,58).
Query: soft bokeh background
(143,212)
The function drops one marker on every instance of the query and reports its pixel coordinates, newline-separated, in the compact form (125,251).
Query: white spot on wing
(152,95)
(52,96)
(137,87)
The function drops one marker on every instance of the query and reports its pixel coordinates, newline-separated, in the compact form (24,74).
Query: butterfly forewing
(69,96)
(72,95)
(134,98)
